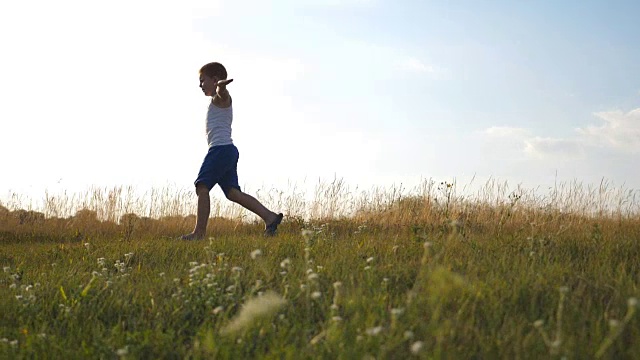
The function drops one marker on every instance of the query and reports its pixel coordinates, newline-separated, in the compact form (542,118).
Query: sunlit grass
(429,272)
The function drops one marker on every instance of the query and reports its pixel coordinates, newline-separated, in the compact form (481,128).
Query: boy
(220,163)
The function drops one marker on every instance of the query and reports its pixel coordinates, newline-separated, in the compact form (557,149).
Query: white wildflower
(256,254)
(285,263)
(218,310)
(6,269)
(538,323)
(416,347)
(614,323)
(316,295)
(253,309)
(632,302)
(374,331)
(408,334)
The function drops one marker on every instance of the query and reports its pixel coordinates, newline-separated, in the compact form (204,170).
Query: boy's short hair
(214,69)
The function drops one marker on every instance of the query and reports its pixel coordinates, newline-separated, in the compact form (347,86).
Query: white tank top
(219,125)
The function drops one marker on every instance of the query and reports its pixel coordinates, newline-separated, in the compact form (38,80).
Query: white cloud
(507,132)
(620,131)
(542,147)
(415,65)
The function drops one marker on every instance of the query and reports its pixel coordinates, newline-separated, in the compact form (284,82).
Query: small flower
(87,245)
(416,347)
(614,323)
(370,260)
(6,269)
(316,295)
(12,286)
(632,302)
(231,288)
(427,244)
(13,343)
(336,319)
(408,334)
(538,323)
(374,331)
(256,254)
(193,263)
(122,352)
(161,274)
(367,267)
(397,312)
(285,263)
(312,276)
(217,310)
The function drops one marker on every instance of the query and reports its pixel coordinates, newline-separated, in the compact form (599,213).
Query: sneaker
(270,230)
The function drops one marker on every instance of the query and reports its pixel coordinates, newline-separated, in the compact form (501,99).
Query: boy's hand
(222,98)
(223,83)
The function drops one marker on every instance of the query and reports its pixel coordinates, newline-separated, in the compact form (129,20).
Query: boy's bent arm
(221,90)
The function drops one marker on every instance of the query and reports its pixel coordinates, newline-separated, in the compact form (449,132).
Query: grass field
(384,274)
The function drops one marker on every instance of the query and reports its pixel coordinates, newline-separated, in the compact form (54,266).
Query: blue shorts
(220,166)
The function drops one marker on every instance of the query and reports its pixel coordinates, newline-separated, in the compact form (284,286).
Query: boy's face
(208,84)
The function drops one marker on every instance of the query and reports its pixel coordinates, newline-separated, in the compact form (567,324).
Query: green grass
(462,297)
(414,277)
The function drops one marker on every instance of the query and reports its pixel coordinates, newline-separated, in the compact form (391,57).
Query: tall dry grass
(495,207)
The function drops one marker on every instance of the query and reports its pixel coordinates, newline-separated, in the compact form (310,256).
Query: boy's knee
(232,194)
(202,189)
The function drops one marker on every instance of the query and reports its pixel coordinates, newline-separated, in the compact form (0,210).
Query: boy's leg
(252,204)
(204,208)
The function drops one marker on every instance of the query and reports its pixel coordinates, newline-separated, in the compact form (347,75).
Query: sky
(374,92)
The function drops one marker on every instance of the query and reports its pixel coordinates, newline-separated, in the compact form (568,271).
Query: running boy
(220,163)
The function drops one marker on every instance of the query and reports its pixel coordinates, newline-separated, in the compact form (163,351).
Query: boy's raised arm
(221,89)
